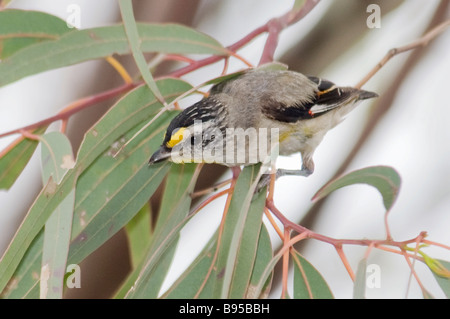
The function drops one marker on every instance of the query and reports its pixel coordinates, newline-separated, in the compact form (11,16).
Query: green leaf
(128,113)
(233,244)
(191,283)
(174,210)
(112,190)
(25,282)
(384,178)
(359,287)
(14,161)
(20,28)
(35,24)
(253,253)
(308,282)
(126,9)
(88,44)
(247,249)
(139,232)
(443,281)
(57,158)
(263,257)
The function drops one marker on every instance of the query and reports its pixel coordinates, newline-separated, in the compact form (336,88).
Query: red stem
(80,105)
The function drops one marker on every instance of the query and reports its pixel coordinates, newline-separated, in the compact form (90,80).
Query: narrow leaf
(112,190)
(130,111)
(385,179)
(233,232)
(88,44)
(25,282)
(126,9)
(263,257)
(192,283)
(14,161)
(308,282)
(21,28)
(359,287)
(138,231)
(247,250)
(174,209)
(443,281)
(57,158)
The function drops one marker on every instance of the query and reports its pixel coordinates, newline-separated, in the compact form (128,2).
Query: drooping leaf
(308,282)
(174,209)
(57,158)
(385,179)
(129,22)
(88,44)
(24,284)
(128,113)
(248,248)
(191,284)
(233,245)
(264,255)
(14,161)
(112,190)
(359,287)
(22,28)
(443,281)
(139,232)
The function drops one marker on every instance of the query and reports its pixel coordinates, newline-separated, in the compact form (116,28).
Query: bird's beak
(160,155)
(364,95)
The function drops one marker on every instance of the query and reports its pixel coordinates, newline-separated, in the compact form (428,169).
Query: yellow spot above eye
(176,138)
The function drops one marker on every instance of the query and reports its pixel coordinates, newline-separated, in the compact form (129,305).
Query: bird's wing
(327,97)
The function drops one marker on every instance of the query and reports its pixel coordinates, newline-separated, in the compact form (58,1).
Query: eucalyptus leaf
(14,161)
(308,282)
(57,158)
(88,44)
(22,28)
(129,112)
(385,179)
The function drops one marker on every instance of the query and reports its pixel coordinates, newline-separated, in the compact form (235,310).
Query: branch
(421,42)
(75,107)
(276,25)
(273,26)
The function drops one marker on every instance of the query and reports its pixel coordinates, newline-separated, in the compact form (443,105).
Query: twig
(75,107)
(289,17)
(120,69)
(344,260)
(276,25)
(285,269)
(273,223)
(211,189)
(423,41)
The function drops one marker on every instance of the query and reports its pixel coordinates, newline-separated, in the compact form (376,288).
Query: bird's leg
(265,179)
(297,172)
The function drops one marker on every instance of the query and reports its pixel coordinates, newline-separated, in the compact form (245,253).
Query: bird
(243,117)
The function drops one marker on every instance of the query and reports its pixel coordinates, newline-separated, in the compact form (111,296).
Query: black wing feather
(327,98)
